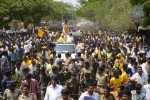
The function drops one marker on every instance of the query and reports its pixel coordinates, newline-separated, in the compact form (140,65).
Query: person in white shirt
(89,94)
(53,91)
(140,76)
(146,91)
(27,48)
(32,67)
(137,94)
(70,38)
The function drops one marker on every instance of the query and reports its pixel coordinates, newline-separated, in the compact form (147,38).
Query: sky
(73,2)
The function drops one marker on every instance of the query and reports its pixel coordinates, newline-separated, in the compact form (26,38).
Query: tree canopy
(115,15)
(33,11)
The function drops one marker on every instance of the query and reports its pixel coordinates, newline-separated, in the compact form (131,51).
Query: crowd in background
(107,66)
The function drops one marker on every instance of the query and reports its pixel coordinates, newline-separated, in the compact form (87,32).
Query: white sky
(73,2)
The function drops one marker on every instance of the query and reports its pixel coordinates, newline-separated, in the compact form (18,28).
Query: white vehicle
(64,48)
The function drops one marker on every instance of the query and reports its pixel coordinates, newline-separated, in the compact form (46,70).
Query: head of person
(67,54)
(100,69)
(73,61)
(55,69)
(28,77)
(107,91)
(33,62)
(18,65)
(62,35)
(86,64)
(120,90)
(66,21)
(90,88)
(25,59)
(26,89)
(54,81)
(135,65)
(126,95)
(125,66)
(43,71)
(138,88)
(11,85)
(116,73)
(38,66)
(132,60)
(139,70)
(92,60)
(132,81)
(87,75)
(59,55)
(7,73)
(25,71)
(51,60)
(65,94)
(148,61)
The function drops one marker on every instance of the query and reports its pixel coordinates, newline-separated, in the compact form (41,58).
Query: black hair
(54,68)
(125,66)
(127,92)
(90,84)
(43,69)
(107,88)
(26,85)
(38,65)
(28,76)
(65,92)
(138,86)
(59,55)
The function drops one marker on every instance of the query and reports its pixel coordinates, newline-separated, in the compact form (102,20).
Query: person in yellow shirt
(26,62)
(124,75)
(120,57)
(138,39)
(83,54)
(62,39)
(115,81)
(100,53)
(117,64)
(50,65)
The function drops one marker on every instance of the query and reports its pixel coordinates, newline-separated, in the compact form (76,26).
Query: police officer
(11,93)
(26,95)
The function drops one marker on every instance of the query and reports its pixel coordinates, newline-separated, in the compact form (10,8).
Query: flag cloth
(40,33)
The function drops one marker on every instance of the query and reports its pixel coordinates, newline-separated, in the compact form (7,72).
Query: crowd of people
(107,66)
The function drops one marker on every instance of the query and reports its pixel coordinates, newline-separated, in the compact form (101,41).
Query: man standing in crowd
(11,93)
(89,94)
(4,62)
(26,95)
(32,83)
(53,91)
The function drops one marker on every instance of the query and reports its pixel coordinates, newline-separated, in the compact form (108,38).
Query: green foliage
(33,11)
(114,15)
(136,2)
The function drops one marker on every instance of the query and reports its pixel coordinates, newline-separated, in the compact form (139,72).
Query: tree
(112,15)
(32,11)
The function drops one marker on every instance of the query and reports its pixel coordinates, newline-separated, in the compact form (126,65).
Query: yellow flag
(40,33)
